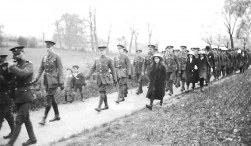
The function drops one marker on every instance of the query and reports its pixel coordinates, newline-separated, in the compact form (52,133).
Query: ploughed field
(219,116)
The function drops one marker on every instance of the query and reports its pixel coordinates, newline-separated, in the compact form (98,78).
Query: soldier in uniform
(224,61)
(123,71)
(125,51)
(53,78)
(148,62)
(22,73)
(211,61)
(172,65)
(177,80)
(182,60)
(138,67)
(78,81)
(217,64)
(5,100)
(102,66)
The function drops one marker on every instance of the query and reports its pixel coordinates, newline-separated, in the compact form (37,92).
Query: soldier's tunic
(242,62)
(229,64)
(182,58)
(224,61)
(211,61)
(217,68)
(52,67)
(123,70)
(172,65)
(147,65)
(22,74)
(102,66)
(5,100)
(138,63)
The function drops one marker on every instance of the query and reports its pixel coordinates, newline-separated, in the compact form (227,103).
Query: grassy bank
(219,116)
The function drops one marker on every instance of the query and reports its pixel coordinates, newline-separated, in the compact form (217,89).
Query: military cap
(102,47)
(139,50)
(75,66)
(125,50)
(151,46)
(17,50)
(50,43)
(120,46)
(183,47)
(176,49)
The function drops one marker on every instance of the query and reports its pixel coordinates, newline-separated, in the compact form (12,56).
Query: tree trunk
(43,38)
(130,47)
(91,30)
(150,36)
(108,39)
(231,40)
(95,29)
(136,44)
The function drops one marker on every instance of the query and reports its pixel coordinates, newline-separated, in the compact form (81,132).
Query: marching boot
(187,90)
(170,88)
(161,102)
(106,103)
(140,90)
(151,105)
(56,118)
(32,139)
(101,99)
(47,109)
(167,85)
(183,86)
(11,123)
(125,89)
(14,135)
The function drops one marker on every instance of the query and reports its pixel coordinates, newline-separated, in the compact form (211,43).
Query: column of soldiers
(16,78)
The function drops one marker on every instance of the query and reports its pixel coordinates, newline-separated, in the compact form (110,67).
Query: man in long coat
(52,67)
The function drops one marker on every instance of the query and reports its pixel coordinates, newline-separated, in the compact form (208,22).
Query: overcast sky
(177,22)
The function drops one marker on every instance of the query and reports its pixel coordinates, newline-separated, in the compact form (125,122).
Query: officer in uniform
(217,64)
(102,66)
(148,62)
(78,81)
(5,100)
(53,78)
(22,73)
(138,63)
(123,71)
(125,51)
(210,57)
(172,65)
(182,57)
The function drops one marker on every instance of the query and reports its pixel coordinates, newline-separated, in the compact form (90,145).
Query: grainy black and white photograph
(125,73)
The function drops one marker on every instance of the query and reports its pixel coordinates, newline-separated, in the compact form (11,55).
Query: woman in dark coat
(203,66)
(191,68)
(157,78)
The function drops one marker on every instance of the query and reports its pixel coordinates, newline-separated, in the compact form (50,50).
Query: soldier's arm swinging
(111,66)
(40,71)
(60,70)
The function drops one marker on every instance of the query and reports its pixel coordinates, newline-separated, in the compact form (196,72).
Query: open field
(218,117)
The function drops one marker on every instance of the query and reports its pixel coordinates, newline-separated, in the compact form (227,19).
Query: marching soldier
(5,100)
(224,61)
(177,80)
(126,88)
(217,64)
(123,71)
(148,62)
(102,66)
(172,65)
(52,67)
(182,60)
(22,74)
(211,61)
(243,61)
(229,62)
(138,67)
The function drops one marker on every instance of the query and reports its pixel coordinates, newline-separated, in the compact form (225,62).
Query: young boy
(78,81)
(68,84)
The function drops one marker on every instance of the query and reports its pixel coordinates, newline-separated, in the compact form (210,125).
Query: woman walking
(157,78)
(203,66)
(191,68)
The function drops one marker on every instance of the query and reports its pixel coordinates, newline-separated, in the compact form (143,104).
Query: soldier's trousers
(122,87)
(22,116)
(223,69)
(6,113)
(180,77)
(170,78)
(51,102)
(139,80)
(103,96)
(208,75)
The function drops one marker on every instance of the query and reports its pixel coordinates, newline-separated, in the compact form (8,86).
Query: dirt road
(79,116)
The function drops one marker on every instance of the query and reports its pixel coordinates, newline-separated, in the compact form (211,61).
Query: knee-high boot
(101,99)
(105,102)
(11,122)
(32,138)
(47,109)
(182,86)
(171,87)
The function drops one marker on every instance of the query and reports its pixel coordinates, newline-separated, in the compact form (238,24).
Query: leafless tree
(108,39)
(91,29)
(59,31)
(218,42)
(95,29)
(133,31)
(150,32)
(135,40)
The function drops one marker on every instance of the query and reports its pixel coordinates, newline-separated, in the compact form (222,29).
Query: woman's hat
(190,53)
(158,55)
(201,52)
